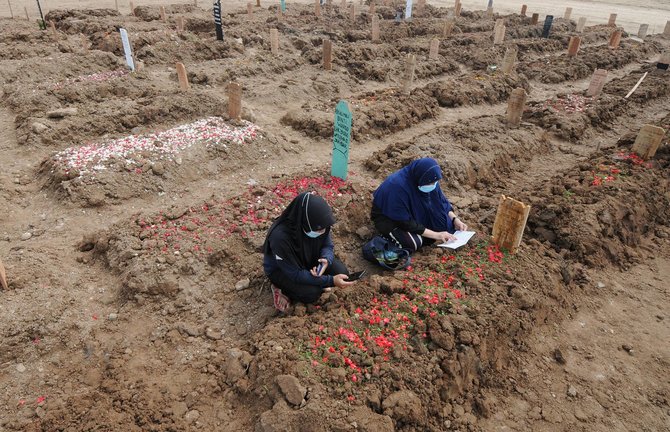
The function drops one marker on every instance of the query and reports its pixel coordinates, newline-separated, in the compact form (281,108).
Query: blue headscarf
(400,199)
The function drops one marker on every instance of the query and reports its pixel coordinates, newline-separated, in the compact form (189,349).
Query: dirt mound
(474,89)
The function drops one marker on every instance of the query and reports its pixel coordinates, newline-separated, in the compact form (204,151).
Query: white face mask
(315,234)
(428,188)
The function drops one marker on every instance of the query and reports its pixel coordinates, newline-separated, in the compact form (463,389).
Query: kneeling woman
(297,245)
(410,209)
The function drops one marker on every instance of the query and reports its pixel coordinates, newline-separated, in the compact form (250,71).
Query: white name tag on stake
(127,50)
(408,9)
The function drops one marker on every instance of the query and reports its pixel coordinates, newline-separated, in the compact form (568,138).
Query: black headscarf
(307,212)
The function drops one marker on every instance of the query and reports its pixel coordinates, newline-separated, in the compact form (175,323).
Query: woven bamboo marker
(510,223)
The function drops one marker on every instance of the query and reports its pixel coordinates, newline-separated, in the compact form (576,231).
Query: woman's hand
(324,266)
(340,281)
(460,225)
(444,237)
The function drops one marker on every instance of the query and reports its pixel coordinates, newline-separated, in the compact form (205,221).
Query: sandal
(281,302)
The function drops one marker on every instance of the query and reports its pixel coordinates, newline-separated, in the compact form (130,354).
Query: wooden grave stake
(666,31)
(234,101)
(183,77)
(457,9)
(280,15)
(597,83)
(317,8)
(612,20)
(573,45)
(510,223)
(258,3)
(408,78)
(489,12)
(132,8)
(580,24)
(535,19)
(3,276)
(274,41)
(250,10)
(434,49)
(327,54)
(341,140)
(375,28)
(352,13)
(180,24)
(567,14)
(636,85)
(11,12)
(499,37)
(373,8)
(515,106)
(52,27)
(615,39)
(163,15)
(648,140)
(642,33)
(498,23)
(26,11)
(524,9)
(448,27)
(116,5)
(509,60)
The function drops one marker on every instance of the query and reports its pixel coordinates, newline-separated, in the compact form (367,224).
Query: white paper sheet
(462,238)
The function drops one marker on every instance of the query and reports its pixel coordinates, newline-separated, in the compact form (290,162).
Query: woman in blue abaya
(410,209)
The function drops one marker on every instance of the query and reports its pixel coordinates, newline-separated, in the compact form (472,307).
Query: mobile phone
(356,275)
(318,268)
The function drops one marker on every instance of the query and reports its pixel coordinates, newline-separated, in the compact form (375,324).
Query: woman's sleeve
(295,273)
(328,250)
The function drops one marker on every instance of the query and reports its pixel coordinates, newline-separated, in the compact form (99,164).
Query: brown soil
(136,295)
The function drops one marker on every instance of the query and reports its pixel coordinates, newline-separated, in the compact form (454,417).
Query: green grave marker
(341,140)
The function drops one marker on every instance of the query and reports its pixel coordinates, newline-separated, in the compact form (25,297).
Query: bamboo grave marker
(573,45)
(52,27)
(25,9)
(352,13)
(524,9)
(421,7)
(373,8)
(258,3)
(274,41)
(457,8)
(612,21)
(489,12)
(509,60)
(327,54)
(375,28)
(132,8)
(615,39)
(648,140)
(180,24)
(11,12)
(3,276)
(434,48)
(317,8)
(567,14)
(515,106)
(250,10)
(499,36)
(580,24)
(234,101)
(642,32)
(116,5)
(510,223)
(163,15)
(408,78)
(183,77)
(535,19)
(597,83)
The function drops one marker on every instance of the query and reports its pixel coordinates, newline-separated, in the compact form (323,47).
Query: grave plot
(69,114)
(20,40)
(377,113)
(473,89)
(109,172)
(473,153)
(156,254)
(576,117)
(562,68)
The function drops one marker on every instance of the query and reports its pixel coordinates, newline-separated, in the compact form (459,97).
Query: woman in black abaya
(298,251)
